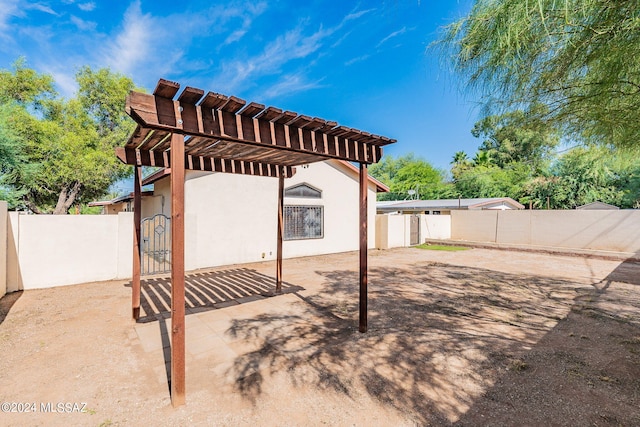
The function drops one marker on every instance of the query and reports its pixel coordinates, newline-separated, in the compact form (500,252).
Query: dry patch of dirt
(479,337)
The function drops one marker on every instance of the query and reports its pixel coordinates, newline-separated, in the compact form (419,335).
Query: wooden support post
(137,215)
(364,184)
(280,229)
(177,271)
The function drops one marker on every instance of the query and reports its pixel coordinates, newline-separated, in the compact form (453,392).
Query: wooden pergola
(221,133)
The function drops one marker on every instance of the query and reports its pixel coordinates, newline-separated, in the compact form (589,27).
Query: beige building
(119,204)
(445,206)
(232,219)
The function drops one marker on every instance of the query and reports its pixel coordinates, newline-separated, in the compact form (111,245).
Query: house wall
(154,204)
(54,250)
(233,218)
(340,198)
(579,229)
(114,209)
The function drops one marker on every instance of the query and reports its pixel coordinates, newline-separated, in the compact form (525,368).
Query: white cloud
(392,35)
(292,45)
(357,59)
(356,15)
(65,80)
(87,7)
(132,46)
(8,9)
(40,7)
(235,36)
(247,14)
(283,52)
(82,24)
(290,83)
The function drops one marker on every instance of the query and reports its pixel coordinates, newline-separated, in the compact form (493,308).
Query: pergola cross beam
(222,126)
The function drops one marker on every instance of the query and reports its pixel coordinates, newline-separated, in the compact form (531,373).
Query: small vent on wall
(303,190)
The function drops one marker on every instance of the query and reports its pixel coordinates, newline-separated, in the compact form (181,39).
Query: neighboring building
(445,206)
(598,206)
(119,204)
(232,219)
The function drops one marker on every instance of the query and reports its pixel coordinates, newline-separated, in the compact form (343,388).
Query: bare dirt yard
(471,338)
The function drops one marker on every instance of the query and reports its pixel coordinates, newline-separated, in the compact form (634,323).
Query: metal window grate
(303,222)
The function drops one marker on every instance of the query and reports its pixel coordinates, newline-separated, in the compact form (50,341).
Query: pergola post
(280,229)
(177,271)
(137,215)
(363,247)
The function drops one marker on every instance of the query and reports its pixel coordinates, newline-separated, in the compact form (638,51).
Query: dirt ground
(471,338)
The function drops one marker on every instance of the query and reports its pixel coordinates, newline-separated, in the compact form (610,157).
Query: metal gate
(414,230)
(156,245)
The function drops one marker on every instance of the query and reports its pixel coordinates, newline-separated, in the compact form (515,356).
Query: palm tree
(460,158)
(482,158)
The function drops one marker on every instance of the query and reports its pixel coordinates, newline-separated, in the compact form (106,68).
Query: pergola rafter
(219,133)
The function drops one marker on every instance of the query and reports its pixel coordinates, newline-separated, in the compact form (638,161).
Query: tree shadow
(584,370)
(438,337)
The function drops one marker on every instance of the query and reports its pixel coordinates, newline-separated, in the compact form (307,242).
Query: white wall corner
(125,245)
(3,247)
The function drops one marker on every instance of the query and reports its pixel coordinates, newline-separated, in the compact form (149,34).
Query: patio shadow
(207,291)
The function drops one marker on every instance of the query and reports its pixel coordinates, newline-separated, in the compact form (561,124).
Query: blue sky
(364,64)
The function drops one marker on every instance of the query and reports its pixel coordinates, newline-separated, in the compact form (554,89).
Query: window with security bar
(303,222)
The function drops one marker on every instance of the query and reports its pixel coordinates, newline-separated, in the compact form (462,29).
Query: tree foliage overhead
(55,152)
(410,177)
(579,58)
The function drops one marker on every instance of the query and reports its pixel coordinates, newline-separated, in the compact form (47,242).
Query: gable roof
(598,206)
(120,199)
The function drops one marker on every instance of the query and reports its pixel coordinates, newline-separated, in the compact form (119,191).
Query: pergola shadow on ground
(209,290)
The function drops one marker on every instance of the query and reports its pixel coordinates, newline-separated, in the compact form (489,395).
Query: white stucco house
(231,219)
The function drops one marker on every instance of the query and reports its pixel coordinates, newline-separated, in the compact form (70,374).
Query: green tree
(460,159)
(576,57)
(483,159)
(409,173)
(57,152)
(588,174)
(486,180)
(516,137)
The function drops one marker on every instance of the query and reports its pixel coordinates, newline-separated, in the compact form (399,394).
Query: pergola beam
(155,112)
(163,159)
